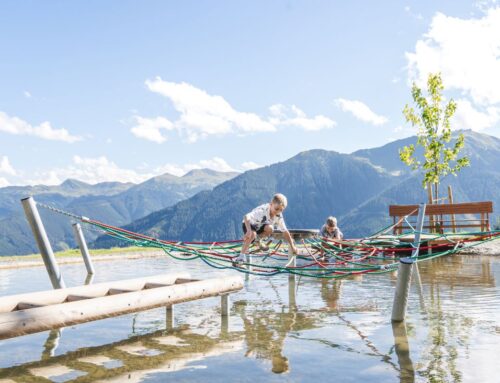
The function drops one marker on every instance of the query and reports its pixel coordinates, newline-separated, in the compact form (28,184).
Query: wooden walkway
(45,310)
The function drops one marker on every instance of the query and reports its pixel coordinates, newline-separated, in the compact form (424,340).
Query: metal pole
(402,289)
(404,272)
(36,224)
(419,228)
(80,239)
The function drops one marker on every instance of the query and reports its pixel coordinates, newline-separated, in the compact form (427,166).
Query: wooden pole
(430,202)
(170,317)
(42,240)
(450,200)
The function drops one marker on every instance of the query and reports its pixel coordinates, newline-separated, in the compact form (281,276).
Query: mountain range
(114,202)
(357,188)
(205,205)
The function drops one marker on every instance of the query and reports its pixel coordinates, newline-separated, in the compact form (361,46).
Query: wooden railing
(474,215)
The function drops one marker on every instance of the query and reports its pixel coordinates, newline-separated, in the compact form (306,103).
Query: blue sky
(125,90)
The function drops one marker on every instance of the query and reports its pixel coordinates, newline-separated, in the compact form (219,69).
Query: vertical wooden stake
(450,200)
(431,217)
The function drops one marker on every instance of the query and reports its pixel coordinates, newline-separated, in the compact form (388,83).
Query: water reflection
(344,325)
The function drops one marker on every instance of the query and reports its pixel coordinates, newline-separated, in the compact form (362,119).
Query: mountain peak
(72,183)
(204,172)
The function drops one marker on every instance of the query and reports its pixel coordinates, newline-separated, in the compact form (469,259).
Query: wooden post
(170,317)
(292,302)
(450,200)
(430,202)
(224,305)
(42,240)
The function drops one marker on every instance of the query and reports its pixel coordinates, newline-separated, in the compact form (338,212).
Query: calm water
(279,330)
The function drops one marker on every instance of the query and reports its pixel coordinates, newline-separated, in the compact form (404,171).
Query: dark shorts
(258,230)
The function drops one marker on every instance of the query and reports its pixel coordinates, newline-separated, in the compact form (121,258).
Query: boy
(262,221)
(330,229)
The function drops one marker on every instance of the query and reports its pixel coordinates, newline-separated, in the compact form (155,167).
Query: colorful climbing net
(317,257)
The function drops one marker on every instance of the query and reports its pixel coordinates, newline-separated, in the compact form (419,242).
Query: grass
(76,253)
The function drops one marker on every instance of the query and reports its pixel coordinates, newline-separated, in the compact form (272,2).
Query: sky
(126,90)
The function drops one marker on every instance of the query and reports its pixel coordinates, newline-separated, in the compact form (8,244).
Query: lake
(280,329)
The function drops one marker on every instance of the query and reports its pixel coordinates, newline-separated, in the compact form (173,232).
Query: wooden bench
(479,211)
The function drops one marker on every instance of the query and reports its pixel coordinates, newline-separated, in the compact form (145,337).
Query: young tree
(432,119)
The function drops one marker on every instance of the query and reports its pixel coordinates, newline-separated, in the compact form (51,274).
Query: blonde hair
(280,199)
(331,221)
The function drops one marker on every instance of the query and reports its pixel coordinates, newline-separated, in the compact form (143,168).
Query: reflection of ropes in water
(385,357)
(369,255)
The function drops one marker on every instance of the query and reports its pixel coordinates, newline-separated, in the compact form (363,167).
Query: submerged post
(80,239)
(170,317)
(405,270)
(36,224)
(402,289)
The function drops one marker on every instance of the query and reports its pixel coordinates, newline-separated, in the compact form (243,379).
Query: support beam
(36,224)
(82,244)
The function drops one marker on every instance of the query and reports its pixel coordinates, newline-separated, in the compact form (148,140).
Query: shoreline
(34,260)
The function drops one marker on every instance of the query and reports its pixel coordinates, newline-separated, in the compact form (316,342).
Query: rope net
(317,257)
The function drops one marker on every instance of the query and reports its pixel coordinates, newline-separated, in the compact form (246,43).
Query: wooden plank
(51,297)
(23,322)
(456,208)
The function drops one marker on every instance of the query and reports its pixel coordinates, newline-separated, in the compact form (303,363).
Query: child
(330,229)
(262,221)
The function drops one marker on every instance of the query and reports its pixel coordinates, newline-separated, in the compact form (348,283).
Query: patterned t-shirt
(261,216)
(336,233)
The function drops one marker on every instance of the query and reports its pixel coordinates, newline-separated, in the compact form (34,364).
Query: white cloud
(293,116)
(361,111)
(202,114)
(249,165)
(467,54)
(465,51)
(215,163)
(27,94)
(93,170)
(468,117)
(6,167)
(4,182)
(16,126)
(90,170)
(151,128)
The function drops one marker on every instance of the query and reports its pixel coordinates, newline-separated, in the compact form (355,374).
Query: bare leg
(247,240)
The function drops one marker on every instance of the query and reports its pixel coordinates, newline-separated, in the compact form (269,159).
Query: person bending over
(262,221)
